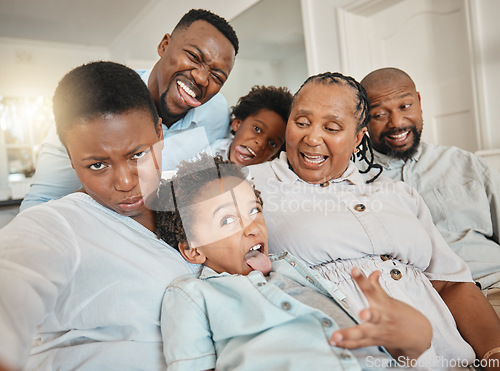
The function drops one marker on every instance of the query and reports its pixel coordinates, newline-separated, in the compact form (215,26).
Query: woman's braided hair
(365,152)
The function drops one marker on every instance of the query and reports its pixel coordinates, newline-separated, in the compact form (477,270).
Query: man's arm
(476,320)
(54,176)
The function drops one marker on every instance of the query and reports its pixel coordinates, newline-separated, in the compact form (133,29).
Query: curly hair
(362,110)
(185,190)
(96,89)
(277,99)
(217,21)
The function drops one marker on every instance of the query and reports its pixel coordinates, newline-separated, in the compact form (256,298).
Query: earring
(356,151)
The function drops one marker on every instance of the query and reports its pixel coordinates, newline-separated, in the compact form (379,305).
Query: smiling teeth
(251,151)
(186,89)
(314,159)
(256,247)
(399,136)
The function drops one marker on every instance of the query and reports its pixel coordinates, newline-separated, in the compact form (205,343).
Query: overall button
(286,305)
(327,322)
(292,263)
(396,274)
(386,257)
(360,207)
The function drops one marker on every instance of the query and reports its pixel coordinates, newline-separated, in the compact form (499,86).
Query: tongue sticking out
(258,261)
(193,102)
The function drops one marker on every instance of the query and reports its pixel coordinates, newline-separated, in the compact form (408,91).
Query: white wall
(324,52)
(489,59)
(34,68)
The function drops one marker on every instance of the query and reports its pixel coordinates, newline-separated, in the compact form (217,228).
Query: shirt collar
(285,174)
(388,162)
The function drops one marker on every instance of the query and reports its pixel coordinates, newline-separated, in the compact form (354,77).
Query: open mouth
(257,259)
(313,160)
(244,153)
(187,94)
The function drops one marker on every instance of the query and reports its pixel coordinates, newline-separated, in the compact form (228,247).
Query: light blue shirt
(463,195)
(85,284)
(202,126)
(240,322)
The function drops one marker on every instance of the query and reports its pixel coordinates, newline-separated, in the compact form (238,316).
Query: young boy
(82,278)
(249,311)
(258,124)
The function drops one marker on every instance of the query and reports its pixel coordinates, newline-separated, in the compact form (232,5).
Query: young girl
(258,125)
(250,311)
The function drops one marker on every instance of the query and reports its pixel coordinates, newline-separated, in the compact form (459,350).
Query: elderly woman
(322,209)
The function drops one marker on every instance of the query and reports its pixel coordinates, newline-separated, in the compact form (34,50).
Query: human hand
(388,322)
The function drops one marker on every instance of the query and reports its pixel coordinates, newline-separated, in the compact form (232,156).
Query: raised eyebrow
(203,58)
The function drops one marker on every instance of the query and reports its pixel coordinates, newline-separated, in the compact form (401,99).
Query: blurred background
(451,48)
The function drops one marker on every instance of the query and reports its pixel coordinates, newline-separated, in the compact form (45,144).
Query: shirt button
(292,263)
(360,207)
(261,284)
(386,257)
(327,322)
(286,305)
(324,184)
(345,355)
(396,274)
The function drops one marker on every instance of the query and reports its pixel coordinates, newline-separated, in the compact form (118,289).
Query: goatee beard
(383,146)
(167,117)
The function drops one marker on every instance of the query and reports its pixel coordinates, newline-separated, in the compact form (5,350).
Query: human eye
(377,115)
(405,106)
(273,144)
(193,56)
(332,128)
(138,155)
(255,210)
(218,79)
(301,123)
(96,166)
(257,129)
(226,220)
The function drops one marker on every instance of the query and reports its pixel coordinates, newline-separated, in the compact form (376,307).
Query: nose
(313,137)
(396,120)
(250,227)
(125,177)
(201,75)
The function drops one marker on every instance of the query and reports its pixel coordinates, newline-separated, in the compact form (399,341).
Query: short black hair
(277,99)
(217,21)
(96,89)
(182,192)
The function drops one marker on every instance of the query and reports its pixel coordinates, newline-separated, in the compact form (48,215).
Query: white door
(429,40)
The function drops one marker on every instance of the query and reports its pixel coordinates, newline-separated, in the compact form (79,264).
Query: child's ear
(235,124)
(192,255)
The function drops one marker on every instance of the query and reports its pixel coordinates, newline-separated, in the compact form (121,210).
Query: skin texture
(262,133)
(323,127)
(117,158)
(200,57)
(385,318)
(396,123)
(226,227)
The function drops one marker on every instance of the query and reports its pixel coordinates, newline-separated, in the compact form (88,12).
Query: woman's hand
(388,322)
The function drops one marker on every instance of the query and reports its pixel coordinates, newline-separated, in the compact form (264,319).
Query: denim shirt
(463,195)
(240,322)
(202,126)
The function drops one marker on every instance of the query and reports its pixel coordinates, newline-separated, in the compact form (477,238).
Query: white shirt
(350,223)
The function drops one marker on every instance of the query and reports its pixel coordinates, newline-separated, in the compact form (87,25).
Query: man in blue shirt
(195,62)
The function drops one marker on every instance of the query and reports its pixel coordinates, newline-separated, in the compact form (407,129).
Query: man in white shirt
(195,62)
(460,189)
